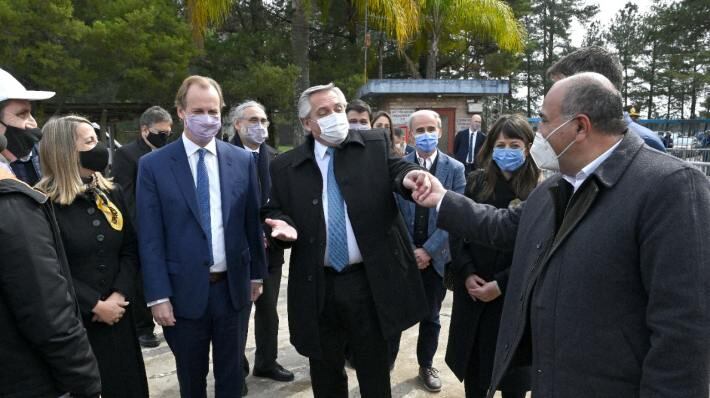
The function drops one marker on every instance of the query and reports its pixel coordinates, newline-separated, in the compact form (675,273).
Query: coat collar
(12,185)
(304,151)
(609,172)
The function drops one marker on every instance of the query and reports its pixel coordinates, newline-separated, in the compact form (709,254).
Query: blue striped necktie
(337,236)
(203,198)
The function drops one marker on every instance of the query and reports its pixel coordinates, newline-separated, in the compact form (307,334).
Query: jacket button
(538,245)
(96,223)
(102,267)
(539,371)
(314,202)
(507,346)
(100,237)
(310,278)
(91,210)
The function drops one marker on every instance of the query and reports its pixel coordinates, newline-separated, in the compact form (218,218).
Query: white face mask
(542,152)
(358,126)
(334,127)
(256,133)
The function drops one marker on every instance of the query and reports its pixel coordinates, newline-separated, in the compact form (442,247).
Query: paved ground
(162,379)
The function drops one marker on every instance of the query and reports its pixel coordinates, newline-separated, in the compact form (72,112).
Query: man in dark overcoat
(353,278)
(609,286)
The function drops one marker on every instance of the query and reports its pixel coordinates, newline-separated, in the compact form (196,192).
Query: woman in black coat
(101,248)
(480,273)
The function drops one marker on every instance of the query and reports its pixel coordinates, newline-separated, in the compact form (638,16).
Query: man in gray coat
(608,291)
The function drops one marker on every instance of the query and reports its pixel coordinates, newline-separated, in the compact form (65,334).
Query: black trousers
(266,323)
(141,313)
(430,326)
(349,317)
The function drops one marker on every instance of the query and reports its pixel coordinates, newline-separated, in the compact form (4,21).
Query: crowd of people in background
(579,284)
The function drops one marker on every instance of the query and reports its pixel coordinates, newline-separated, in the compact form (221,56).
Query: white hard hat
(10,88)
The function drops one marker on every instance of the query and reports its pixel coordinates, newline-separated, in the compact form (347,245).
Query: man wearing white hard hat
(20,128)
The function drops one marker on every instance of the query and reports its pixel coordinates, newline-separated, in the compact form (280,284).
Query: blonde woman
(101,248)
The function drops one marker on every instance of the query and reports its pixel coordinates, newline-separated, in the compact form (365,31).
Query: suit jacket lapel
(226,180)
(579,206)
(184,179)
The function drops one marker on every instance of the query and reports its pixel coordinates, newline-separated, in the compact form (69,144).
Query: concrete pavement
(162,379)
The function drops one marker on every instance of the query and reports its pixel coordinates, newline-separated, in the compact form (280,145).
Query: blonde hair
(61,180)
(204,82)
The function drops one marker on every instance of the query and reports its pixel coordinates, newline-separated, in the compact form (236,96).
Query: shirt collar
(319,150)
(590,168)
(472,131)
(431,158)
(191,147)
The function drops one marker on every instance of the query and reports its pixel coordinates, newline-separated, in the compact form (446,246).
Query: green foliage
(39,45)
(138,50)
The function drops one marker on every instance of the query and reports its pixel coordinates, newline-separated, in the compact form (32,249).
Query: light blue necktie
(203,198)
(337,236)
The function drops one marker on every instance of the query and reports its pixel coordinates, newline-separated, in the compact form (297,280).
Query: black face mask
(20,141)
(3,142)
(157,140)
(95,159)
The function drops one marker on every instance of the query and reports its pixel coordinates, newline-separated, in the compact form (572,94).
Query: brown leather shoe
(430,378)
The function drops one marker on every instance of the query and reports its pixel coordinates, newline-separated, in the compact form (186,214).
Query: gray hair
(153,115)
(411,117)
(237,113)
(589,59)
(304,101)
(594,95)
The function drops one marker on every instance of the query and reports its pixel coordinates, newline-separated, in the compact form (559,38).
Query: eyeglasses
(428,129)
(166,132)
(264,121)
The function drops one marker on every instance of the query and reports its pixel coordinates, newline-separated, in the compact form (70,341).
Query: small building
(454,100)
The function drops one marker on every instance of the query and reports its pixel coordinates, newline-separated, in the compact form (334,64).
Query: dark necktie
(203,198)
(258,170)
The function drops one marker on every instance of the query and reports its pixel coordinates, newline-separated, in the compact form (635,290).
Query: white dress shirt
(427,162)
(587,170)
(471,157)
(323,158)
(217,227)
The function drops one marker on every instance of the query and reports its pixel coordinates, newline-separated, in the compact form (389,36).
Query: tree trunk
(652,79)
(528,81)
(432,55)
(380,56)
(413,68)
(300,44)
(626,83)
(670,95)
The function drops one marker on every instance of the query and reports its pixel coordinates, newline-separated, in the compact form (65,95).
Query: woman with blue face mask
(478,273)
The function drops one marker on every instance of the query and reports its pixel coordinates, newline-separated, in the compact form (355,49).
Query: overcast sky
(607,11)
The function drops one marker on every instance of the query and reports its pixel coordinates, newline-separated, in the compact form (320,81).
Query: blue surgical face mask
(509,159)
(426,142)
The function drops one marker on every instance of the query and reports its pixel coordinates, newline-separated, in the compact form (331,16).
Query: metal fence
(698,157)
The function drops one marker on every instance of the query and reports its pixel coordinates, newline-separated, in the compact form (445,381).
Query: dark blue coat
(173,245)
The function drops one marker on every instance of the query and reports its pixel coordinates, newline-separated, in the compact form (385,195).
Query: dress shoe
(430,378)
(148,340)
(277,373)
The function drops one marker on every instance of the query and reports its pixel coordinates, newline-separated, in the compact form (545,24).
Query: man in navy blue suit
(201,242)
